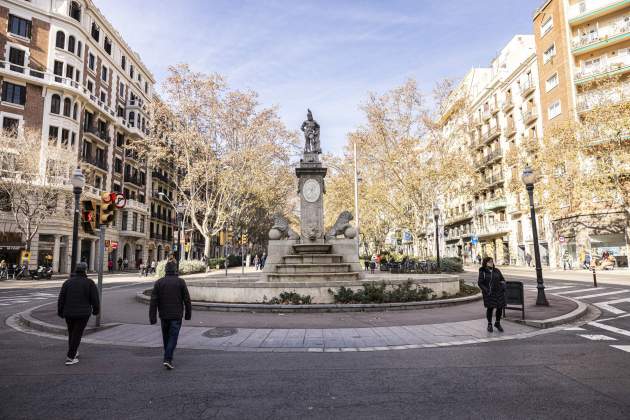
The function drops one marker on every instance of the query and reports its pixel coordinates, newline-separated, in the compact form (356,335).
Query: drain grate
(220,332)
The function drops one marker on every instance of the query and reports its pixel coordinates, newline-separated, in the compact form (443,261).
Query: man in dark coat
(492,285)
(170,297)
(78,299)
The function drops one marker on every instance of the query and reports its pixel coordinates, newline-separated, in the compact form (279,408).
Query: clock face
(311,190)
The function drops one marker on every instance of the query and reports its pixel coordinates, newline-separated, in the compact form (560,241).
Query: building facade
(67,73)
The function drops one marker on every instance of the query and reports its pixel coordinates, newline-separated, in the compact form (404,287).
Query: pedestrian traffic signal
(107,213)
(88,216)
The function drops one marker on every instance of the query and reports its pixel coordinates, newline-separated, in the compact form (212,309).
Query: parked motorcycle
(20,272)
(41,273)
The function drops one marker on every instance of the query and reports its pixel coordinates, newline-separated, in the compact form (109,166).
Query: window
(79,48)
(104,73)
(13,93)
(75,111)
(551,82)
(96,32)
(146,87)
(90,86)
(16,58)
(120,112)
(121,89)
(71,43)
(19,26)
(65,134)
(131,72)
(123,62)
(69,71)
(60,40)
(554,110)
(55,104)
(108,45)
(73,138)
(67,107)
(132,119)
(118,165)
(120,140)
(103,96)
(10,126)
(53,133)
(75,11)
(549,53)
(546,26)
(91,61)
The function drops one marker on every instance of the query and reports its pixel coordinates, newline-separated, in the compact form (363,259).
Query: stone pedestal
(311,189)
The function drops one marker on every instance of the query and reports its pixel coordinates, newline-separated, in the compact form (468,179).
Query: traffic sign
(120,201)
(114,245)
(474,240)
(561,239)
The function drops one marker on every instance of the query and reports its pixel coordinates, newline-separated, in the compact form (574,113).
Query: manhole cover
(220,332)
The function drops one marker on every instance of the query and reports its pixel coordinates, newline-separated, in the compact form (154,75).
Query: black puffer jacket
(78,297)
(169,296)
(492,285)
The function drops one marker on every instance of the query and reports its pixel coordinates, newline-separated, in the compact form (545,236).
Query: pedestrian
(110,265)
(263,260)
(125,263)
(170,297)
(566,260)
(4,270)
(492,285)
(256,262)
(528,259)
(478,259)
(153,265)
(366,264)
(78,299)
(372,266)
(378,261)
(120,264)
(587,260)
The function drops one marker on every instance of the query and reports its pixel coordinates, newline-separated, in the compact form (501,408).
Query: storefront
(45,250)
(10,247)
(614,244)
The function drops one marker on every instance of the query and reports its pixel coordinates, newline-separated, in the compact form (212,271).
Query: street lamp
(179,209)
(529,179)
(78,182)
(436,216)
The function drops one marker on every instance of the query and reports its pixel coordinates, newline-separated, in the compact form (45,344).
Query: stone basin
(314,248)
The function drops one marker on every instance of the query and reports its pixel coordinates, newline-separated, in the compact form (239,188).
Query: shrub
(379,293)
(291,298)
(233,261)
(185,267)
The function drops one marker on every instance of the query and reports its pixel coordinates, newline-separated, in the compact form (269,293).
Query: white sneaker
(70,361)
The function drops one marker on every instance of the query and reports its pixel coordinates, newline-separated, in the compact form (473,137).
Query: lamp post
(78,182)
(357,179)
(529,179)
(436,217)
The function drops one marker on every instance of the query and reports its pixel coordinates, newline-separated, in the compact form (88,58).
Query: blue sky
(326,55)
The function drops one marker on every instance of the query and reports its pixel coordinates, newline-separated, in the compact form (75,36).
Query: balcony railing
(100,134)
(508,104)
(491,134)
(136,205)
(135,180)
(529,116)
(493,179)
(590,7)
(494,228)
(528,87)
(493,155)
(160,176)
(510,130)
(92,160)
(497,203)
(620,65)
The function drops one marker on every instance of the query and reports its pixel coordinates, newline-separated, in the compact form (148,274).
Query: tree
(30,192)
(231,156)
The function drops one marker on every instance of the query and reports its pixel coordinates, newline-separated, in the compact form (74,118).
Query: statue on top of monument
(310,127)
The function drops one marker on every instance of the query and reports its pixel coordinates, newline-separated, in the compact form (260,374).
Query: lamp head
(78,179)
(436,211)
(528,176)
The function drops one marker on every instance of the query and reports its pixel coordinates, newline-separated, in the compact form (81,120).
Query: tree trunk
(206,248)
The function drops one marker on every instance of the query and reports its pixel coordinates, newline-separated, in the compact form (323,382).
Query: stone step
(312,248)
(312,268)
(313,277)
(312,259)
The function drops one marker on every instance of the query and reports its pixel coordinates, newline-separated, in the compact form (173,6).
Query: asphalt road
(557,375)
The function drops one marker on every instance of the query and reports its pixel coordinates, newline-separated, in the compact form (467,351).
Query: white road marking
(575,329)
(607,306)
(529,287)
(614,317)
(610,328)
(624,348)
(601,294)
(591,289)
(597,337)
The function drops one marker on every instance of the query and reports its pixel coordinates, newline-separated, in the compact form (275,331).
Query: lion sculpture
(281,229)
(342,227)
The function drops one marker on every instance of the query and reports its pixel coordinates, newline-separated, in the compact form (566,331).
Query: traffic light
(244,239)
(107,214)
(88,216)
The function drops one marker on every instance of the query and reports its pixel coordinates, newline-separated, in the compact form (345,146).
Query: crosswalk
(613,301)
(8,300)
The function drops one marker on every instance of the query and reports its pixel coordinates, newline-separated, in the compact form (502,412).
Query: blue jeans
(170,332)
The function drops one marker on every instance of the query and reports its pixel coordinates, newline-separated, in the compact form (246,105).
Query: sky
(322,55)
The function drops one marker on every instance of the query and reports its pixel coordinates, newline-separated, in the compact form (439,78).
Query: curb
(323,307)
(574,315)
(28,320)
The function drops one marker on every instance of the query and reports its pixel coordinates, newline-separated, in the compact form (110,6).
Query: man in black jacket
(170,297)
(78,299)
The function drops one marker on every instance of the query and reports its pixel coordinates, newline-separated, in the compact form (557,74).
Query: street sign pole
(101,256)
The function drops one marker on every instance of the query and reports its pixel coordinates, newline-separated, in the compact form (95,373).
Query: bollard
(594,278)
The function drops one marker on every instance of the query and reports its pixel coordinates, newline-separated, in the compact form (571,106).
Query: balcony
(458,218)
(529,116)
(135,180)
(492,229)
(487,114)
(162,216)
(161,176)
(510,130)
(92,192)
(530,143)
(494,108)
(92,160)
(491,181)
(491,134)
(528,88)
(94,132)
(588,10)
(127,230)
(508,104)
(497,203)
(619,66)
(494,155)
(137,206)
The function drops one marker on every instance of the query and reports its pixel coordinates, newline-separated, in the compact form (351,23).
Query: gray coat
(492,285)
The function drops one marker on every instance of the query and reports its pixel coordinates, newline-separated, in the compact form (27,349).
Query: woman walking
(492,285)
